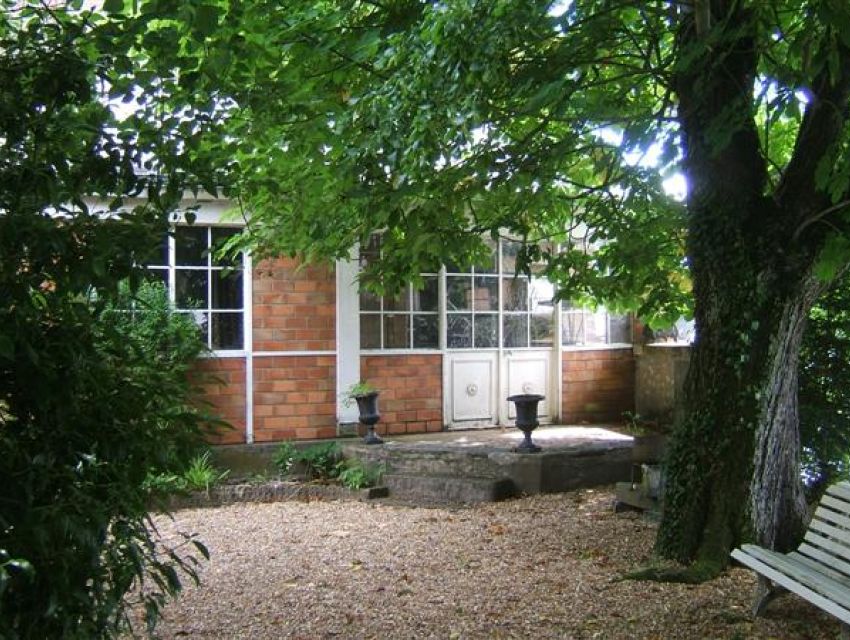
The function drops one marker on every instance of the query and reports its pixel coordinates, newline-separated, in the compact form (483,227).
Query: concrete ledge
(274,491)
(451,489)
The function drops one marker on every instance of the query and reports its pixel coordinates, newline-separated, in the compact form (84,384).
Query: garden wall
(598,385)
(411,386)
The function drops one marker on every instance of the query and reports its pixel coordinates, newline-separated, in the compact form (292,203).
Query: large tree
(440,121)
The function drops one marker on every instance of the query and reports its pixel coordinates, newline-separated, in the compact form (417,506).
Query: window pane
(401,302)
(157,275)
(486,293)
(541,293)
(595,327)
(459,293)
(425,332)
(620,329)
(202,320)
(227,289)
(191,246)
(516,331)
(542,330)
(427,298)
(459,331)
(370,331)
(486,328)
(573,327)
(397,331)
(369,301)
(191,288)
(227,331)
(516,294)
(220,235)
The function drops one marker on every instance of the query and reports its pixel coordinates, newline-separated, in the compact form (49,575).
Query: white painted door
(499,341)
(471,382)
(527,372)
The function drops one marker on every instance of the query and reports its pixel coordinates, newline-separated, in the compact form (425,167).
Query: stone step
(449,489)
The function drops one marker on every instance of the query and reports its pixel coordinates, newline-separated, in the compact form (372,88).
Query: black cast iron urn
(526,419)
(367,404)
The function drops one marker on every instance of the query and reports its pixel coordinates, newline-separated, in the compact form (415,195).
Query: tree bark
(777,504)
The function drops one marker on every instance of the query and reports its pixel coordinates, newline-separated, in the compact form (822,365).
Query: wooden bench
(819,570)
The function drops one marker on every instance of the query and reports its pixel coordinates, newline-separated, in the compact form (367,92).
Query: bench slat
(841,506)
(840,490)
(823,562)
(817,589)
(804,574)
(836,519)
(827,545)
(819,530)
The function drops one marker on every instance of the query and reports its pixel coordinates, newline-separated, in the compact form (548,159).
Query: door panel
(472,378)
(527,372)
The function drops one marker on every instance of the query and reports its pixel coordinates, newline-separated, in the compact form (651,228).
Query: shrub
(354,474)
(317,462)
(95,399)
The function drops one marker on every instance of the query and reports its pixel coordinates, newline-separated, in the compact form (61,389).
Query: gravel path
(537,567)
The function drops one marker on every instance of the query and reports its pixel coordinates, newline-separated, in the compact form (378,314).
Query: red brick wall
(223,383)
(294,310)
(411,387)
(294,398)
(598,385)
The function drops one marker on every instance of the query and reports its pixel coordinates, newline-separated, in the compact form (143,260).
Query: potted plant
(366,397)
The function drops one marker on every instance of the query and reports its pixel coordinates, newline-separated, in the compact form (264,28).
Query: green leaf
(113,6)
(833,256)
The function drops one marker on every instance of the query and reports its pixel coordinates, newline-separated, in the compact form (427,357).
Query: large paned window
(585,327)
(205,287)
(409,320)
(527,318)
(472,305)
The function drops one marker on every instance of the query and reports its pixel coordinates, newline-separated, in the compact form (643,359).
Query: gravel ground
(538,567)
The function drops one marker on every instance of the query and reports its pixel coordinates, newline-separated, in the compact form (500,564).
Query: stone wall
(661,371)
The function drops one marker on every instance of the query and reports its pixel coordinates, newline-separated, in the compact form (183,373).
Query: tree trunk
(777,503)
(736,454)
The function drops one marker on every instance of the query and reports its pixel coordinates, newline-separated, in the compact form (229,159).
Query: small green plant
(202,474)
(284,457)
(318,461)
(361,388)
(354,474)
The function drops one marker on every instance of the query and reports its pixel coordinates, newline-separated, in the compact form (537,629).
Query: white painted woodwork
(527,372)
(471,379)
(819,571)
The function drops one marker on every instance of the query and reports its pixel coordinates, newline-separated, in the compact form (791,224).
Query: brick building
(289,339)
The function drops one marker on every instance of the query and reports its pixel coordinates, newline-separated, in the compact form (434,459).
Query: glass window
(207,287)
(581,326)
(408,320)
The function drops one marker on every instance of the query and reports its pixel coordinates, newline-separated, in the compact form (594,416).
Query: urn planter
(367,405)
(526,419)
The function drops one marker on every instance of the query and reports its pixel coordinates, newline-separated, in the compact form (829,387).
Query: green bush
(94,400)
(354,474)
(316,462)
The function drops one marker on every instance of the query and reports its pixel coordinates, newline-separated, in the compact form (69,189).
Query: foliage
(361,388)
(90,400)
(443,123)
(355,474)
(315,462)
(199,475)
(825,390)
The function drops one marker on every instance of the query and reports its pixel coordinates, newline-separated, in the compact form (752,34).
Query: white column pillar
(347,334)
